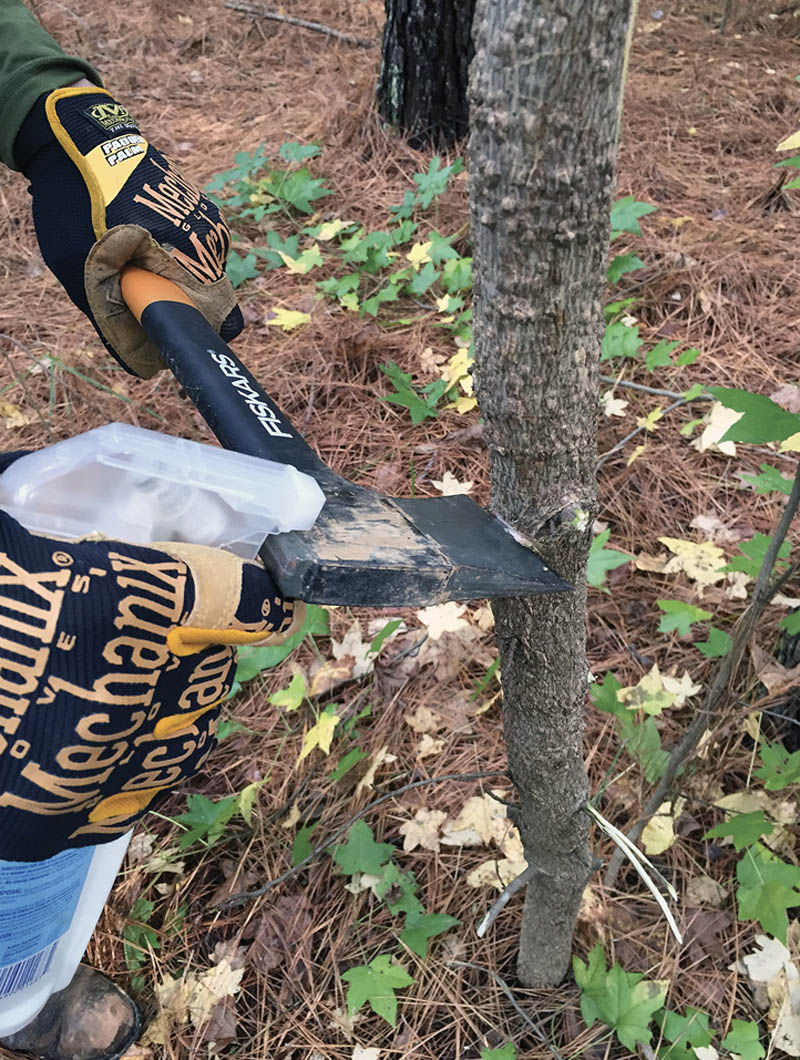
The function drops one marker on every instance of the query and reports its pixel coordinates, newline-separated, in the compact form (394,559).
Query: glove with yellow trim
(114,659)
(104,196)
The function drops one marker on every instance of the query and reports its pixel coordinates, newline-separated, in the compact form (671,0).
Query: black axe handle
(231,401)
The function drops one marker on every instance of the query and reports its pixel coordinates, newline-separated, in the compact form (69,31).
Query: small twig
(726,11)
(303,23)
(508,893)
(638,430)
(529,1020)
(247,896)
(762,594)
(650,389)
(788,9)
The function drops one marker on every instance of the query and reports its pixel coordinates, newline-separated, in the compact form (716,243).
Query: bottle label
(37,903)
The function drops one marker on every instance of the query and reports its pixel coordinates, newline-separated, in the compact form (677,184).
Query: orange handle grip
(141,288)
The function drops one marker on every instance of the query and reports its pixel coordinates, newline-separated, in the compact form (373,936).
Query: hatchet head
(369,550)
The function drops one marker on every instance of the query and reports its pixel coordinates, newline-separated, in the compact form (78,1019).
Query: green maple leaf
(457,275)
(601,560)
(625,214)
(791,623)
(277,246)
(753,555)
(621,264)
(763,420)
(292,696)
(405,395)
(376,983)
(205,819)
(717,645)
(239,269)
(420,927)
(620,340)
(361,853)
(434,182)
(622,1000)
(503,1052)
(659,356)
(780,769)
(251,661)
(297,189)
(399,891)
(422,280)
(684,1033)
(605,696)
(681,616)
(743,828)
(294,152)
(767,888)
(743,1039)
(769,481)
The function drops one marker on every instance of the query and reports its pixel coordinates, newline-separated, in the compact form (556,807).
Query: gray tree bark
(425,57)
(545,86)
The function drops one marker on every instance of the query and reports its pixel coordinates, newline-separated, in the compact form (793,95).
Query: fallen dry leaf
(376,760)
(612,406)
(443,618)
(281,937)
(449,485)
(773,973)
(484,618)
(787,396)
(423,720)
(496,873)
(423,830)
(655,564)
(360,1053)
(772,674)
(353,646)
(429,746)
(331,674)
(477,823)
(702,890)
(718,421)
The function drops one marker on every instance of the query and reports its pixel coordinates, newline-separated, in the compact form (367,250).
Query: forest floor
(702,119)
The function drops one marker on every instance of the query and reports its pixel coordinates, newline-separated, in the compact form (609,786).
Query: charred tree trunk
(425,57)
(545,88)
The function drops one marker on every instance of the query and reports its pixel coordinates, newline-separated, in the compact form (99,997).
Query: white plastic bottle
(139,486)
(48,911)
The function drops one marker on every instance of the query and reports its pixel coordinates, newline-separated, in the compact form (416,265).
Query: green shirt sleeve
(31,63)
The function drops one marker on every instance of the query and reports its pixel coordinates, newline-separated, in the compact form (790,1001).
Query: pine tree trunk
(544,95)
(425,57)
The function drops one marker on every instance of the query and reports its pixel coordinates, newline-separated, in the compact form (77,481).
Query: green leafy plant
(623,1001)
(601,560)
(376,983)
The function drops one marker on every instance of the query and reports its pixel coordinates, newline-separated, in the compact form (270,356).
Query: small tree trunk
(544,97)
(425,57)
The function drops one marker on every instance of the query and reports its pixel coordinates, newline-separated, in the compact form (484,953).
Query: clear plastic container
(137,485)
(140,486)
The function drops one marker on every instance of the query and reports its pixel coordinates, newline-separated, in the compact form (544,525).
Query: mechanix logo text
(110,116)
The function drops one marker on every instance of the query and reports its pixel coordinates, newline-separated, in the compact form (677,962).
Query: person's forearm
(31,63)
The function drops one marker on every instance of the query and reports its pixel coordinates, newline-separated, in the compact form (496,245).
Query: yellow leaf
(457,370)
(418,255)
(791,444)
(332,228)
(791,143)
(463,404)
(650,421)
(320,735)
(649,694)
(13,415)
(678,222)
(288,319)
(308,260)
(375,761)
(700,562)
(659,832)
(637,452)
(443,303)
(247,799)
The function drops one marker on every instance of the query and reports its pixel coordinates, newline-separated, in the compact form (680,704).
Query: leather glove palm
(103,196)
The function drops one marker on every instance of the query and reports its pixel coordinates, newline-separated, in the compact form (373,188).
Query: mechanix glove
(113,661)
(104,196)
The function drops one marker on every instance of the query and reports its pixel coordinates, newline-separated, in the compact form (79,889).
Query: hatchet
(365,549)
